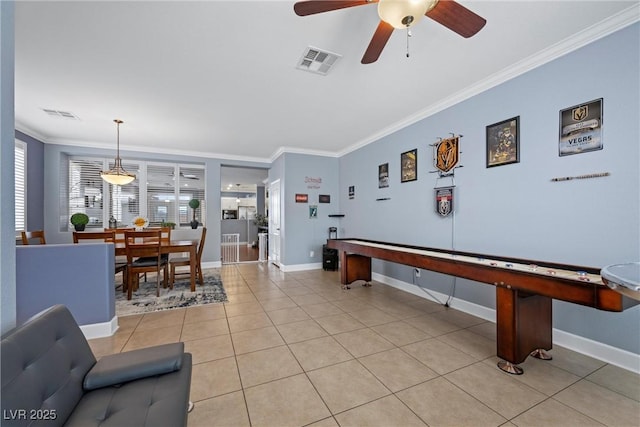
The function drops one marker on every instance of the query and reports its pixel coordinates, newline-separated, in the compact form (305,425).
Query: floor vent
(60,114)
(317,60)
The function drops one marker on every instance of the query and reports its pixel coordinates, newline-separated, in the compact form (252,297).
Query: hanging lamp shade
(117,175)
(404,13)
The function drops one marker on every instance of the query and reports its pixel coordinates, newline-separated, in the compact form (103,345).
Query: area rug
(144,300)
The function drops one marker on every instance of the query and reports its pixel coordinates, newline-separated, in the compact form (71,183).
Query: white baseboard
(100,330)
(485,313)
(211,264)
(300,267)
(613,355)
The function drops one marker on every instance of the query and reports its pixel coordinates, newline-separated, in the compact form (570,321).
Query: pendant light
(117,175)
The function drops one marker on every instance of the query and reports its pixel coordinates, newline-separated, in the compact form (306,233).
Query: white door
(274,222)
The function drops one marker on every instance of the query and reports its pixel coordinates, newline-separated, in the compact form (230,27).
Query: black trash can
(329,258)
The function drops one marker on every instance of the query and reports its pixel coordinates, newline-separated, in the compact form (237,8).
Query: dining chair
(165,237)
(118,239)
(105,236)
(36,234)
(185,261)
(144,255)
(108,235)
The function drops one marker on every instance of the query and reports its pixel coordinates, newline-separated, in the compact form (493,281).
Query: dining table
(172,246)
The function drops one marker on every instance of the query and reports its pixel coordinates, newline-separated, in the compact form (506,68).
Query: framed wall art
(302,198)
(324,198)
(409,165)
(581,128)
(503,142)
(383,175)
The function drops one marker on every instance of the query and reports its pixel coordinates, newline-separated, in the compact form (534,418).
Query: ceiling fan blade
(457,18)
(378,41)
(310,7)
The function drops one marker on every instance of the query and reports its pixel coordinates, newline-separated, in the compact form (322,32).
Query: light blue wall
(52,211)
(7,169)
(515,210)
(311,175)
(79,276)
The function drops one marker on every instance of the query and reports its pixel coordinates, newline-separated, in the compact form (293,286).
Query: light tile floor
(294,349)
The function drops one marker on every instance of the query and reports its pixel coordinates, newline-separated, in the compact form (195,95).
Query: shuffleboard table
(524,289)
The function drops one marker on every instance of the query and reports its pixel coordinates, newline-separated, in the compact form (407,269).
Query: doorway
(274,222)
(243,204)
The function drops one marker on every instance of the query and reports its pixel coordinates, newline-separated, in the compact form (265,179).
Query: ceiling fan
(401,14)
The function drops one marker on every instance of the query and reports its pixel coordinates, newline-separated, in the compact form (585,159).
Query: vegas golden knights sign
(444,200)
(446,155)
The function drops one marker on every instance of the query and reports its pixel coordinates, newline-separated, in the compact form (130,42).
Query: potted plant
(166,224)
(79,220)
(194,204)
(262,221)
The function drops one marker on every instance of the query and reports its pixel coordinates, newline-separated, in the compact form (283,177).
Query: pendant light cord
(118,121)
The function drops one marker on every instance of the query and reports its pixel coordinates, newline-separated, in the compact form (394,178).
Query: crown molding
(293,150)
(21,127)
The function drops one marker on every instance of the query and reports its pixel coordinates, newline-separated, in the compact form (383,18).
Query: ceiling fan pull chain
(408,35)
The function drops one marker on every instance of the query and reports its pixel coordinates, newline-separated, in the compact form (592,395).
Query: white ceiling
(219,78)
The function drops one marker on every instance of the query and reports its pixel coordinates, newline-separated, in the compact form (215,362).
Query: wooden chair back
(165,233)
(143,250)
(105,236)
(201,245)
(27,236)
(141,244)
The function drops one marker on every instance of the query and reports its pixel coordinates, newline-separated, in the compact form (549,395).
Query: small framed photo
(503,142)
(352,191)
(313,211)
(383,175)
(324,198)
(302,198)
(409,165)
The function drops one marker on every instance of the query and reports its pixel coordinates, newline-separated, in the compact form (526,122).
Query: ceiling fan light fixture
(117,175)
(403,14)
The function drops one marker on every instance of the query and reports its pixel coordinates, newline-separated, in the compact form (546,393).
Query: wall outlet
(416,272)
(311,254)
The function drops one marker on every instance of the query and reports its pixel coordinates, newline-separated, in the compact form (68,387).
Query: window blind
(191,186)
(21,185)
(160,192)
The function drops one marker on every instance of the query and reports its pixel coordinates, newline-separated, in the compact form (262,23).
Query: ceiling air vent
(60,114)
(317,60)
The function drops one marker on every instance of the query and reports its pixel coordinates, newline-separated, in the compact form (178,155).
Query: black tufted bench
(50,377)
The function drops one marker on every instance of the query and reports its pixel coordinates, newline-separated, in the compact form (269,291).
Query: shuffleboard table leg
(354,267)
(523,327)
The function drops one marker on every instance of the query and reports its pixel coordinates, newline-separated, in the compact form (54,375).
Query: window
(191,187)
(86,190)
(161,192)
(21,185)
